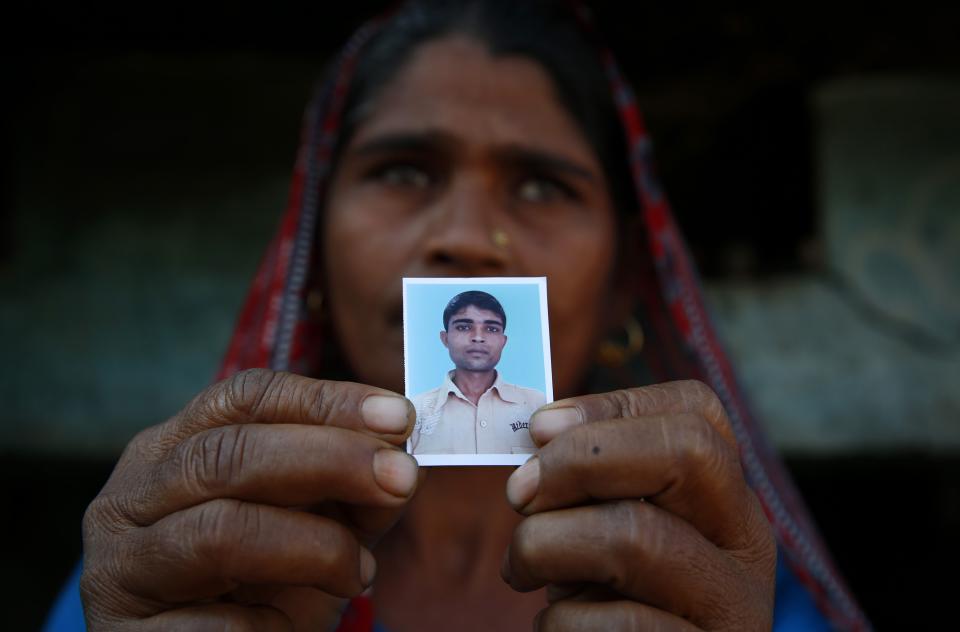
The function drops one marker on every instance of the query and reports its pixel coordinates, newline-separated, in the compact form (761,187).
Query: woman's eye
(542,190)
(404,176)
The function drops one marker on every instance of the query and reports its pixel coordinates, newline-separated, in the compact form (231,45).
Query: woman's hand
(254,508)
(638,516)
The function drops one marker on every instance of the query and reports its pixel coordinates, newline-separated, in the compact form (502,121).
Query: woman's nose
(461,237)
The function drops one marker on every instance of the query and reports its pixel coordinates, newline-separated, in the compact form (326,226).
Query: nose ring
(499,238)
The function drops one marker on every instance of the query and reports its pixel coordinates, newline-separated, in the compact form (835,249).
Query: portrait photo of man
(474,410)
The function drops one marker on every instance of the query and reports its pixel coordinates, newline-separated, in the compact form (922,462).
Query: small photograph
(477,364)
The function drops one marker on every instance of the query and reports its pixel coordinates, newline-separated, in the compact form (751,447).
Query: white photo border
(479,282)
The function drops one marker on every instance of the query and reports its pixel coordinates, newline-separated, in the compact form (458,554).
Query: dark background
(725,93)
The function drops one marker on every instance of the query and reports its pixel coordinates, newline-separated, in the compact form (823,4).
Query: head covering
(273,329)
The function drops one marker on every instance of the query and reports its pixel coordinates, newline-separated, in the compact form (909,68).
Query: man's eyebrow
(470,321)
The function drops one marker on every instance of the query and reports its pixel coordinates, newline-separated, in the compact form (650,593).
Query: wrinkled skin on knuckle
(744,588)
(330,400)
(700,395)
(250,392)
(627,538)
(705,401)
(97,596)
(765,557)
(219,529)
(211,461)
(104,528)
(641,401)
(740,602)
(759,559)
(626,402)
(109,514)
(104,588)
(699,452)
(143,447)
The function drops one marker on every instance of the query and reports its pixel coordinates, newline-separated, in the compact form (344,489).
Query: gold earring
(499,238)
(615,354)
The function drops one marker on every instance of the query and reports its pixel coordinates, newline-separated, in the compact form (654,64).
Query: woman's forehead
(455,88)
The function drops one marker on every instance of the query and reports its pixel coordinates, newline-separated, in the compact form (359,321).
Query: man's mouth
(476,351)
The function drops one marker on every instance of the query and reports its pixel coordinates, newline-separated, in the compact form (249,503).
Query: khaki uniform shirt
(449,423)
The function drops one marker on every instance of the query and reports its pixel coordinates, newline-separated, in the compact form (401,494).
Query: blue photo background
(522,361)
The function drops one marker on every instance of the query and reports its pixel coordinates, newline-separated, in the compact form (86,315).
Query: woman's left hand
(638,516)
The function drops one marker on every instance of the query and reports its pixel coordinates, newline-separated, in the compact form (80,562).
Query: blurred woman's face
(467,165)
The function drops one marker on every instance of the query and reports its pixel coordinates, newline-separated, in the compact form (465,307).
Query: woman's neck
(458,522)
(447,551)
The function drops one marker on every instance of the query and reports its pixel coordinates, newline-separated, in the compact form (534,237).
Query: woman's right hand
(254,508)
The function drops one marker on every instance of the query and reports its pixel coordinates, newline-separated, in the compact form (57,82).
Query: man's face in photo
(474,338)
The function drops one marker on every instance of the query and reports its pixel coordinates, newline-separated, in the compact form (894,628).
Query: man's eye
(493,330)
(539,190)
(403,175)
(462,328)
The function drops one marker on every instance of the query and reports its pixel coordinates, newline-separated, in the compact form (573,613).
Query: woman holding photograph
(464,139)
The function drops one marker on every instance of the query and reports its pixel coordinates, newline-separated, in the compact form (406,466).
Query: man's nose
(477,335)
(461,232)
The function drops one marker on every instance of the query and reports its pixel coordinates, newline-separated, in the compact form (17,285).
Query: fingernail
(368,567)
(523,483)
(547,424)
(395,471)
(386,414)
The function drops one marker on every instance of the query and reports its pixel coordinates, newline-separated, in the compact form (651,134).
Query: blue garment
(67,612)
(794,610)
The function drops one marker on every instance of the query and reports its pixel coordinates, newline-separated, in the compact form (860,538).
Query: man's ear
(504,340)
(443,339)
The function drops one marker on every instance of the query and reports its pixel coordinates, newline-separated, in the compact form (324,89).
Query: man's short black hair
(480,300)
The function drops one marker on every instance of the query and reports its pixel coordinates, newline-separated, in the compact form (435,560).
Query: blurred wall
(146,188)
(862,352)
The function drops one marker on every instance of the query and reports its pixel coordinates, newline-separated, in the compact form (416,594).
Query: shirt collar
(506,391)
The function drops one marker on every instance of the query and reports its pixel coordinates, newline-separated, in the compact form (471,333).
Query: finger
(576,616)
(370,523)
(218,617)
(678,462)
(281,464)
(638,550)
(211,549)
(262,396)
(669,398)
